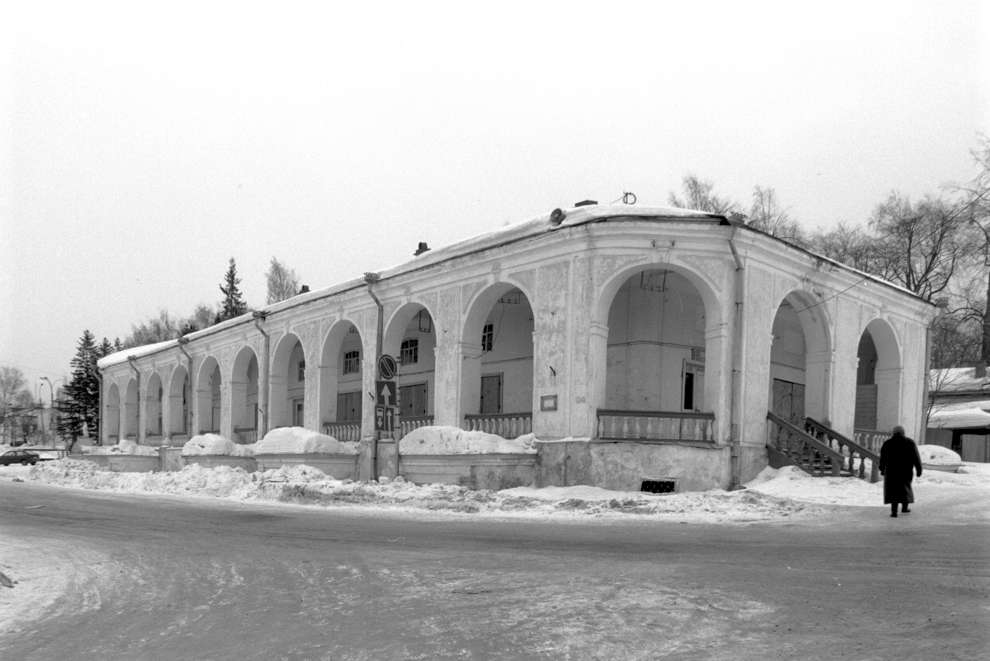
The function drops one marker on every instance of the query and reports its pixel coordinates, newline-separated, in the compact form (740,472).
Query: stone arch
(658,339)
(154,406)
(208,402)
(287,382)
(131,413)
(111,414)
(341,399)
(497,359)
(878,377)
(613,282)
(180,403)
(410,336)
(800,359)
(244,396)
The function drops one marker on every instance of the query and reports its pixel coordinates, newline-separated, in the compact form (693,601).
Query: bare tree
(202,317)
(767,215)
(921,245)
(156,329)
(853,246)
(977,193)
(12,387)
(699,194)
(283,282)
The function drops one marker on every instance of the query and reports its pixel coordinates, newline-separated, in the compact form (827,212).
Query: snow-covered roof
(543,224)
(960,415)
(136,352)
(957,380)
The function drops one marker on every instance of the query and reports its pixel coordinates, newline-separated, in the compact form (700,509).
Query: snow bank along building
(641,346)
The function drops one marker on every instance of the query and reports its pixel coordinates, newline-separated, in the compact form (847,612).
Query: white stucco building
(636,343)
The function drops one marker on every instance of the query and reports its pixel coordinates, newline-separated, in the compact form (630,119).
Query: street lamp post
(51,400)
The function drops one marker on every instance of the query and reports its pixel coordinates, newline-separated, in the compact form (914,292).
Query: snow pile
(296,440)
(793,483)
(215,444)
(783,494)
(936,455)
(125,446)
(453,440)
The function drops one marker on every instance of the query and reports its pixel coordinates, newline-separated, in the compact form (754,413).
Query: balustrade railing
(871,439)
(245,435)
(506,425)
(343,431)
(803,449)
(858,460)
(656,425)
(408,423)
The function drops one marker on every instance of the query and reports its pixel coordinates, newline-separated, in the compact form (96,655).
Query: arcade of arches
(645,349)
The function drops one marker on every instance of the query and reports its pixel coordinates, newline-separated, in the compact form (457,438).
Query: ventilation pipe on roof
(371,278)
(421,248)
(736,386)
(138,433)
(259,316)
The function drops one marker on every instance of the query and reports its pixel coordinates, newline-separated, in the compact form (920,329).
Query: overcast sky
(140,149)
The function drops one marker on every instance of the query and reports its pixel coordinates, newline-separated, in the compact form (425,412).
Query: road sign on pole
(385,393)
(386,418)
(387,367)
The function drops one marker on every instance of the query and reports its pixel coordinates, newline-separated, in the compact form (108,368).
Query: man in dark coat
(899,459)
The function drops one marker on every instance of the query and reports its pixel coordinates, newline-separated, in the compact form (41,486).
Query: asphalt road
(156,577)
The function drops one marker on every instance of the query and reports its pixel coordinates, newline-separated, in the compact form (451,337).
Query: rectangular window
(487,337)
(409,352)
(352,362)
(413,400)
(349,407)
(302,371)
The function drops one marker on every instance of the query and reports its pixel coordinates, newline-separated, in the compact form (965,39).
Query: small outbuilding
(959,413)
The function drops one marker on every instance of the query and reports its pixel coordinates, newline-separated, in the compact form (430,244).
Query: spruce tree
(81,405)
(233,304)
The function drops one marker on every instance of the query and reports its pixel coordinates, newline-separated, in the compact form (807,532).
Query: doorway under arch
(497,366)
(878,378)
(244,397)
(800,360)
(179,397)
(131,414)
(341,397)
(111,415)
(208,404)
(153,406)
(288,383)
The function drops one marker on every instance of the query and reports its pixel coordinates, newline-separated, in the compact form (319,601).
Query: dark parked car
(18,457)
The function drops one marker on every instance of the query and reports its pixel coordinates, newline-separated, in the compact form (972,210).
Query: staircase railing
(856,458)
(871,439)
(805,450)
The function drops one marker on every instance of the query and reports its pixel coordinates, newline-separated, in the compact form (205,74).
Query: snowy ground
(773,495)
